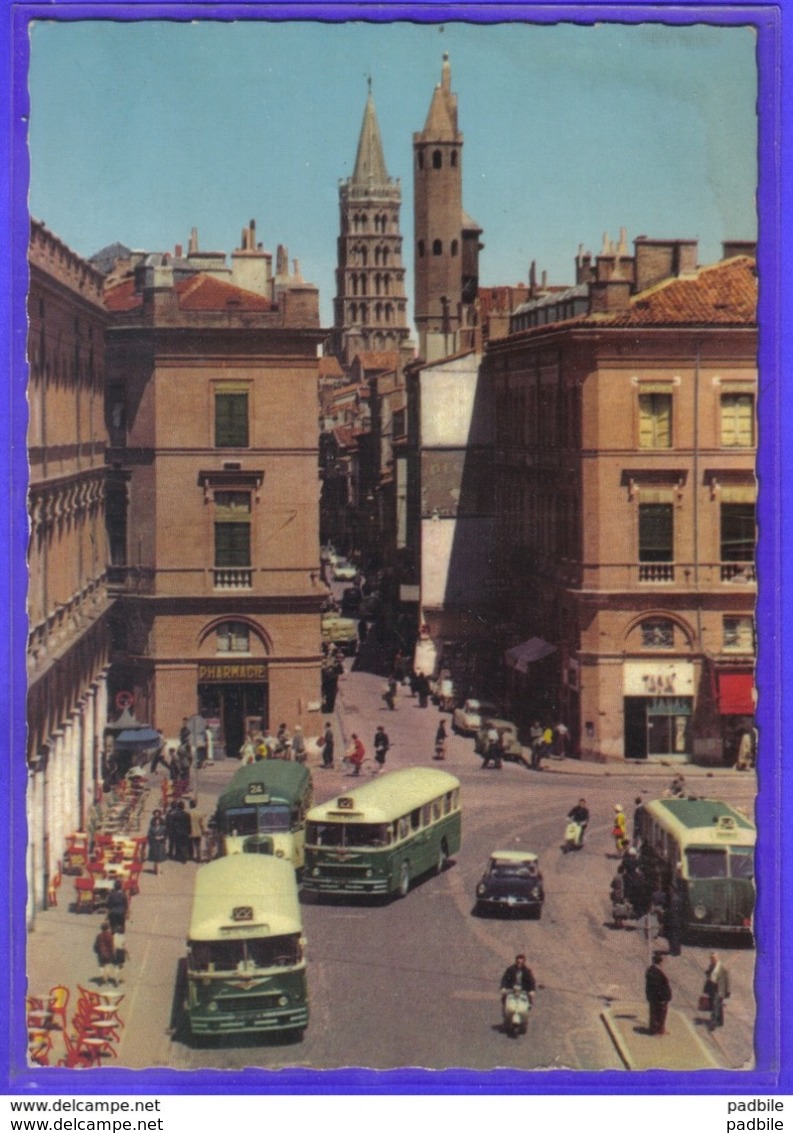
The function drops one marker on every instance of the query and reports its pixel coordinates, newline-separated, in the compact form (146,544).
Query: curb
(616,1039)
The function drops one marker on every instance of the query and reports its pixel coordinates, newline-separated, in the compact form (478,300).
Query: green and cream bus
(708,846)
(246,968)
(378,838)
(263,810)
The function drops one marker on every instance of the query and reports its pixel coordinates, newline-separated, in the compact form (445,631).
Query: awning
(521,656)
(736,694)
(138,738)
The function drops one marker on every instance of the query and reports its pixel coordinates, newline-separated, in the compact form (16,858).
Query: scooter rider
(580,814)
(518,974)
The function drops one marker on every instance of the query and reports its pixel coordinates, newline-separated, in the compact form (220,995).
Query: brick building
(625,497)
(213,495)
(68,604)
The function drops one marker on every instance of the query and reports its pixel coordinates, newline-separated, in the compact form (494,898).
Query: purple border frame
(773,1046)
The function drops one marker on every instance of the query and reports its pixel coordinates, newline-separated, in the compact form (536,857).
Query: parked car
(468,719)
(511,747)
(344,571)
(339,631)
(512,883)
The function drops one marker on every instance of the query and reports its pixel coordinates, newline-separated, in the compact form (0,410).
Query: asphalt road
(415,982)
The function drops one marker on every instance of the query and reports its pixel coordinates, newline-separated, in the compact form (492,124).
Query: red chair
(76,860)
(73,1056)
(85,897)
(58,1001)
(39,1047)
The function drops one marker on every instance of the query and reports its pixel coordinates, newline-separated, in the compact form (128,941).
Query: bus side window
(447,802)
(456,798)
(426,814)
(415,819)
(404,827)
(436,809)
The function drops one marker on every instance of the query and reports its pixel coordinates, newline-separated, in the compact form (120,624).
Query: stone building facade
(68,603)
(625,501)
(214,501)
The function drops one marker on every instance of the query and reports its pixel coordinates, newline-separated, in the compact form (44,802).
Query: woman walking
(440,741)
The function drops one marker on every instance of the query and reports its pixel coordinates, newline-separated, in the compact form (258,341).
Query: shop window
(655,420)
(233,637)
(231,419)
(658,633)
(656,533)
(737,533)
(738,633)
(737,420)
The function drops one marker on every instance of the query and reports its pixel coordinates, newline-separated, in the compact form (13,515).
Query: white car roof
(513,856)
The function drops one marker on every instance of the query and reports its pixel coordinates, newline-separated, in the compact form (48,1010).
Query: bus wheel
(404,880)
(443,857)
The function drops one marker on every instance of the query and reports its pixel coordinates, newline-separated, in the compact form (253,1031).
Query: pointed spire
(441,123)
(370,168)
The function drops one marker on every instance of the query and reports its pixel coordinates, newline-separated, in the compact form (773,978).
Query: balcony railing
(233,578)
(738,572)
(656,572)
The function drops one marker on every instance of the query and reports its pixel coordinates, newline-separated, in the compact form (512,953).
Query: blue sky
(140,131)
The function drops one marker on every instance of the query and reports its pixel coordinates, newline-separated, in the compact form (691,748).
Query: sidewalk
(680,1048)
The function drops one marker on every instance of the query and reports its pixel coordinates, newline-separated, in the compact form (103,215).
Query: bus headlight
(213,1006)
(315,871)
(480,890)
(368,873)
(535,892)
(283,1000)
(279,853)
(700,912)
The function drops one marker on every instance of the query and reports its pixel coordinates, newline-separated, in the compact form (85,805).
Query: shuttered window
(655,420)
(737,533)
(656,533)
(737,420)
(231,420)
(232,529)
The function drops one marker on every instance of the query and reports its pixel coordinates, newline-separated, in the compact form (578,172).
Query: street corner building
(213,494)
(625,491)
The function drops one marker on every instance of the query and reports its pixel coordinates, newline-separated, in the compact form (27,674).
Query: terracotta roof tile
(203,292)
(723,294)
(123,297)
(330,367)
(378,359)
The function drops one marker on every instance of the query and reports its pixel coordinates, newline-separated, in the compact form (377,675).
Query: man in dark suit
(658,994)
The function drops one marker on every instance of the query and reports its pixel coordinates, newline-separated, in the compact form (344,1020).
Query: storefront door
(232,705)
(655,726)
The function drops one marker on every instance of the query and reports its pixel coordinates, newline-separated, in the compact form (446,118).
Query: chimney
(177,251)
(609,296)
(730,248)
(657,260)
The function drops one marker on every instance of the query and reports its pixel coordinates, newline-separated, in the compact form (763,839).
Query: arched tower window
(364,256)
(385,255)
(420,247)
(454,247)
(437,160)
(454,159)
(437,248)
(378,312)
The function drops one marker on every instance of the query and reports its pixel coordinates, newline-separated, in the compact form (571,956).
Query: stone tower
(370,308)
(446,252)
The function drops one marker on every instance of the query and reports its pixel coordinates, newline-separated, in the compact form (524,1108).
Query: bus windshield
(742,862)
(705,863)
(356,834)
(244,955)
(256,820)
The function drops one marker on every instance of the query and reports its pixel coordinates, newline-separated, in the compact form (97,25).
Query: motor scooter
(573,836)
(515,1008)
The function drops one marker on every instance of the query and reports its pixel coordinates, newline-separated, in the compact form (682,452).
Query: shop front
(233,699)
(737,710)
(658,700)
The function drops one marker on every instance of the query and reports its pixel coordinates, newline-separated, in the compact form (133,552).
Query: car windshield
(512,869)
